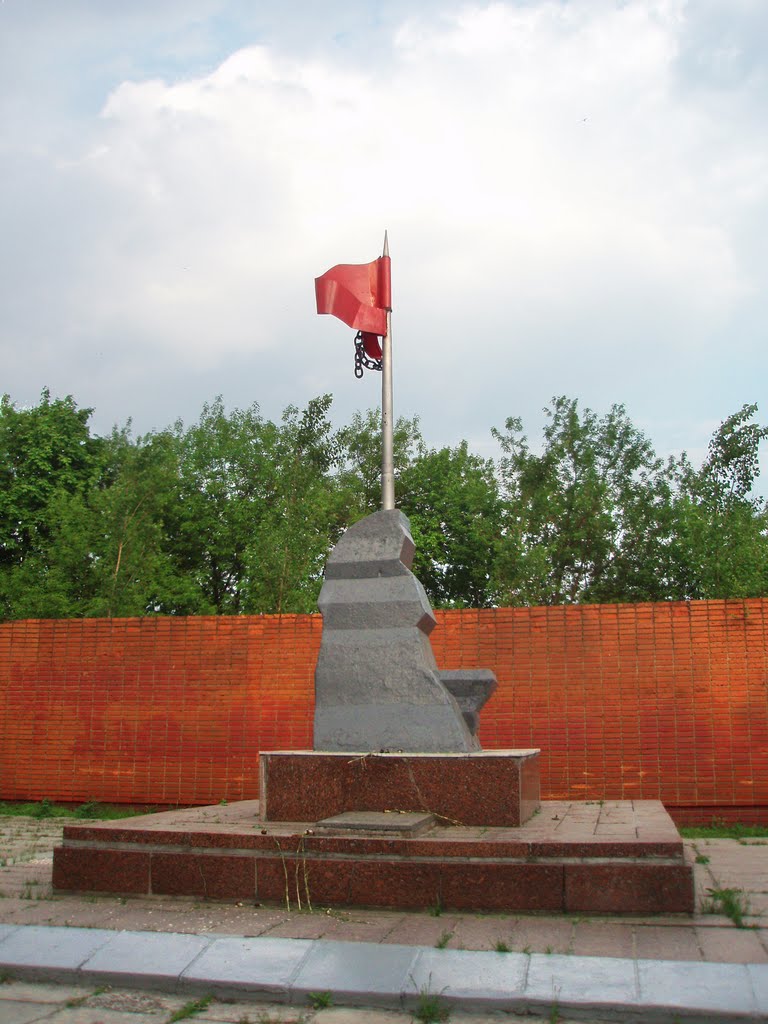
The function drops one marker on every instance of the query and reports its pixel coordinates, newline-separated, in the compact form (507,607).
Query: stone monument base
(393,830)
(483,787)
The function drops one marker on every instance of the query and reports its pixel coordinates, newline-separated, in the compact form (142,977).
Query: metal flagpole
(387,442)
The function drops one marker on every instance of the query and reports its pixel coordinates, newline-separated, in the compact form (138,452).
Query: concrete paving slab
(731,945)
(231,966)
(593,983)
(470,979)
(715,989)
(375,974)
(41,991)
(6,930)
(667,943)
(603,938)
(50,954)
(146,958)
(259,1013)
(97,1015)
(308,926)
(542,934)
(421,930)
(22,1013)
(353,927)
(145,1004)
(478,932)
(351,1015)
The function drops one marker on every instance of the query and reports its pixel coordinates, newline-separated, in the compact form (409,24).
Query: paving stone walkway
(26,898)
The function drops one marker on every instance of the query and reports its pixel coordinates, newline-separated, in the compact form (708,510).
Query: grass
(718,829)
(429,1009)
(731,902)
(702,858)
(90,809)
(437,908)
(191,1009)
(502,947)
(443,941)
(321,1000)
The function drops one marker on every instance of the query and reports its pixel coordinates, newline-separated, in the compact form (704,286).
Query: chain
(363,360)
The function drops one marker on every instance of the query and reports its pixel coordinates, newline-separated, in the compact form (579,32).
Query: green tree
(588,518)
(48,464)
(721,529)
(359,474)
(452,499)
(257,510)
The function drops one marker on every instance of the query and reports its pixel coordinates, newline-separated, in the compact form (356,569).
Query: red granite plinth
(623,857)
(485,787)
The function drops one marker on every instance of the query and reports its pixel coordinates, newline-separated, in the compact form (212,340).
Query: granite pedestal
(622,857)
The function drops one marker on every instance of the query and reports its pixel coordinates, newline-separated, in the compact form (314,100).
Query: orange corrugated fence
(647,701)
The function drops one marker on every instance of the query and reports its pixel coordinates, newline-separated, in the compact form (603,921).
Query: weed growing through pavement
(429,1009)
(437,908)
(191,1009)
(718,829)
(731,902)
(90,809)
(443,941)
(502,947)
(321,1000)
(702,858)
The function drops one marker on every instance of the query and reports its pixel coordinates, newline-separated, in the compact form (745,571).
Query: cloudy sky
(576,195)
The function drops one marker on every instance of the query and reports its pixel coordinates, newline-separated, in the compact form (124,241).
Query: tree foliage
(237,514)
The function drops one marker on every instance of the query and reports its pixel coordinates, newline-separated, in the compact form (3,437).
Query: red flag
(358,294)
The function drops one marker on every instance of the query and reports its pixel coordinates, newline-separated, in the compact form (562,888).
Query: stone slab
(50,954)
(592,983)
(488,787)
(104,871)
(758,979)
(379,821)
(628,887)
(147,959)
(670,986)
(470,979)
(349,969)
(14,1012)
(6,930)
(209,875)
(231,966)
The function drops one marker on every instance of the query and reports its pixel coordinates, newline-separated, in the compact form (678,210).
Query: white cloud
(553,185)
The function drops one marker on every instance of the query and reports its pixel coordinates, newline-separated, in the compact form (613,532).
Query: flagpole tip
(386,245)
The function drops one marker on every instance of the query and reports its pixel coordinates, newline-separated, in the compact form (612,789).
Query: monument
(377,685)
(396,805)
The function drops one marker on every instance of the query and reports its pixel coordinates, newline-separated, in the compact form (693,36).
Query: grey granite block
(231,966)
(144,959)
(376,680)
(758,976)
(471,979)
(373,974)
(585,981)
(50,954)
(722,989)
